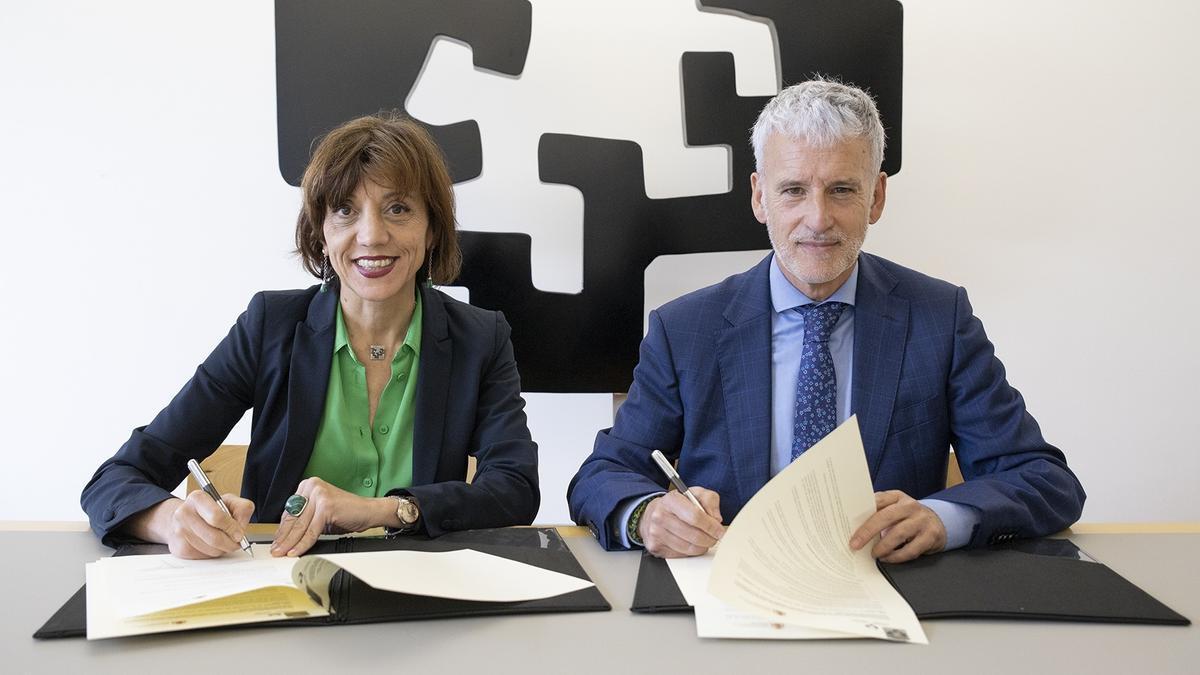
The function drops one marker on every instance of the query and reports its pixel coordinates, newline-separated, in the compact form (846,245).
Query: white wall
(1047,166)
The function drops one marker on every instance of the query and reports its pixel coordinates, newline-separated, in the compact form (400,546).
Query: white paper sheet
(464,574)
(152,583)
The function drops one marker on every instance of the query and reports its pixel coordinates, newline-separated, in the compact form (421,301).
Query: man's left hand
(906,529)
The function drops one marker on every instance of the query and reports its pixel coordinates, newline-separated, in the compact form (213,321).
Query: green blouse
(351,453)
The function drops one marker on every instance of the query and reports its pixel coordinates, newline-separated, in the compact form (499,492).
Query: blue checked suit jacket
(925,378)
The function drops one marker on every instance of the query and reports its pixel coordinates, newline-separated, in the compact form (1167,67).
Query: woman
(369,391)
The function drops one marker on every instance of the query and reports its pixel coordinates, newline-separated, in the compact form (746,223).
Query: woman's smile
(374,267)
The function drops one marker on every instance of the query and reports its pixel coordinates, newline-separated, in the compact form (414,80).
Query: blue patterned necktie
(816,388)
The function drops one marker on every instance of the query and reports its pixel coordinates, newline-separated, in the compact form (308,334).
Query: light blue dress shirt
(787,347)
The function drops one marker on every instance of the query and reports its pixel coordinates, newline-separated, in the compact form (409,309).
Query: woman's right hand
(195,527)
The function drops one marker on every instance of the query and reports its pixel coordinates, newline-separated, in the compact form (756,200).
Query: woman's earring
(429,270)
(326,274)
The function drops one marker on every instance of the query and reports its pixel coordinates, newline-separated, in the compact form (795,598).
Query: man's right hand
(672,527)
(195,527)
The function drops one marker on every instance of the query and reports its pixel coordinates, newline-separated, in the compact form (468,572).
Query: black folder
(1044,579)
(656,590)
(353,601)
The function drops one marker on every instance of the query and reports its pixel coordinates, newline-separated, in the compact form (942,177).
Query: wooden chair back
(224,468)
(953,474)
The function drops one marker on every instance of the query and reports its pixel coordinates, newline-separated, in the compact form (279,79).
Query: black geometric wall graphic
(339,60)
(860,41)
(586,341)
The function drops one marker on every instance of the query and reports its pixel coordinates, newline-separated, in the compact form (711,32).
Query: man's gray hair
(822,112)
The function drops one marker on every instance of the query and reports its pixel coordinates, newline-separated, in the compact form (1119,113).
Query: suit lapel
(744,359)
(312,355)
(432,388)
(880,337)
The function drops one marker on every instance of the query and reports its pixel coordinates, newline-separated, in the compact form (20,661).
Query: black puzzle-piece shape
(861,42)
(339,60)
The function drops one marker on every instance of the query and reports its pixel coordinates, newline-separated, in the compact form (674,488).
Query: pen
(672,476)
(207,486)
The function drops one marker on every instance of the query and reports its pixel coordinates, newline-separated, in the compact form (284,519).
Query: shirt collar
(785,296)
(412,339)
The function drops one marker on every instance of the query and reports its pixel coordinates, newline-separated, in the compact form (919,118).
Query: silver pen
(207,486)
(673,476)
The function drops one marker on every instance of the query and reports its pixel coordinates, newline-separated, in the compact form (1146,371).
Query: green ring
(295,505)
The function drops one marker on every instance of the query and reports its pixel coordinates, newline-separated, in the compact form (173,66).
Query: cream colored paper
(786,556)
(135,595)
(691,575)
(716,619)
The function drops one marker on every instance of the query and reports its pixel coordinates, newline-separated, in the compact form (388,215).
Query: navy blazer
(925,378)
(276,360)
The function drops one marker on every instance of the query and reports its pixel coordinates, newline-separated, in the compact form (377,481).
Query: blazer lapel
(744,359)
(880,337)
(312,355)
(432,388)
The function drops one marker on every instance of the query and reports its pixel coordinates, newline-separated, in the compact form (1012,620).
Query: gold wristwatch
(408,513)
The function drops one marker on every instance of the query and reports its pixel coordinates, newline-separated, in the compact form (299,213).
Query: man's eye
(842,190)
(793,191)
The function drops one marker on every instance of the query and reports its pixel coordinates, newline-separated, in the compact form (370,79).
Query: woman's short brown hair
(393,151)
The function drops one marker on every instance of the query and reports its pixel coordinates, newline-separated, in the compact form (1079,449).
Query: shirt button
(400,376)
(383,429)
(367,482)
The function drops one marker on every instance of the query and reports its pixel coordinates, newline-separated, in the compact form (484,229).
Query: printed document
(716,619)
(786,558)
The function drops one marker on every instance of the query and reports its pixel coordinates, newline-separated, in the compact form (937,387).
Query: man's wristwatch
(409,514)
(635,519)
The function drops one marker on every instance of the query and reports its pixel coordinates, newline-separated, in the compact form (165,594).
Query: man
(737,379)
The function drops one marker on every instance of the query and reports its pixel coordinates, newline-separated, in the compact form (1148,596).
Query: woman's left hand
(330,510)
